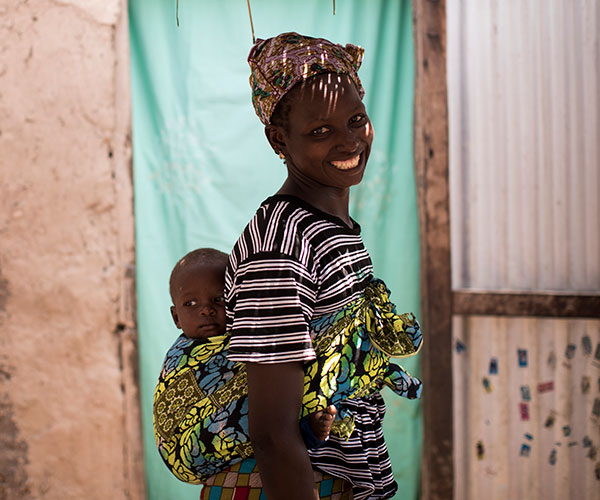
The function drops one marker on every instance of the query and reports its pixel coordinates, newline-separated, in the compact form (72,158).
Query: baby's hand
(320,422)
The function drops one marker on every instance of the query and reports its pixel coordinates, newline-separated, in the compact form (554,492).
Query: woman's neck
(333,201)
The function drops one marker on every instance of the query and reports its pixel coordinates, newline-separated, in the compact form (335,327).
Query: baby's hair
(196,258)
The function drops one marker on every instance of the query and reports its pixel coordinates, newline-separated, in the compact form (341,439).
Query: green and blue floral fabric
(200,403)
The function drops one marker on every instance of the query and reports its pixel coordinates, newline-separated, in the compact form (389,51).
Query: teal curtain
(202,166)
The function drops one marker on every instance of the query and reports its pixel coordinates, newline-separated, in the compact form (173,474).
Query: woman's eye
(320,131)
(189,303)
(358,119)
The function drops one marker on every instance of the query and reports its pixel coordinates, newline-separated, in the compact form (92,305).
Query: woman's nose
(349,141)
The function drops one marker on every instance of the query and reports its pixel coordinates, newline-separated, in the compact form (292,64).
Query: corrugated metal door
(524,144)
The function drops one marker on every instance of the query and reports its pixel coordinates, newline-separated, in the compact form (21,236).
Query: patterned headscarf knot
(278,63)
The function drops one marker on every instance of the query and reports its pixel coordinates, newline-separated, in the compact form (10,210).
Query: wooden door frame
(438,301)
(431,176)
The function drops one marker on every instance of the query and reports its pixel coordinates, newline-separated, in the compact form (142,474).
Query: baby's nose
(207,310)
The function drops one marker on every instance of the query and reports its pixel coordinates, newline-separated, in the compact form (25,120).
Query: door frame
(439,302)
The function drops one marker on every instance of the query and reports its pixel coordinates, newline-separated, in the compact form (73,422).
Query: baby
(196,287)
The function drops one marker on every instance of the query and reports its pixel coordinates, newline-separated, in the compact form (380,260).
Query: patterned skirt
(242,482)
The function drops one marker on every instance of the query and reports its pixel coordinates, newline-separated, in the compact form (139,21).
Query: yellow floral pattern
(200,403)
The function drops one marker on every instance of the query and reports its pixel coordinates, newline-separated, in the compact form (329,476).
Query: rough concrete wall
(69,415)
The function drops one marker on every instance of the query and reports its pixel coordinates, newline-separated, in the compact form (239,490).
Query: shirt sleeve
(272,302)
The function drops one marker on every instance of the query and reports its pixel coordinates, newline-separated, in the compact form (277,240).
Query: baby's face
(199,305)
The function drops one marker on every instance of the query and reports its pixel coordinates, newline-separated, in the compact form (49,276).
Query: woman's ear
(276,137)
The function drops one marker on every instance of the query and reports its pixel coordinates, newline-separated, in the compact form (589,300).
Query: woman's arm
(274,399)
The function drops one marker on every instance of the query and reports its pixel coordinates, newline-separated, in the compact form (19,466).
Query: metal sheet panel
(524,125)
(524,138)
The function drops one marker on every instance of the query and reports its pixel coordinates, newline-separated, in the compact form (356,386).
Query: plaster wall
(69,412)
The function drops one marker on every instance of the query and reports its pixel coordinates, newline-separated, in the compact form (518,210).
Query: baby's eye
(220,299)
(320,131)
(189,303)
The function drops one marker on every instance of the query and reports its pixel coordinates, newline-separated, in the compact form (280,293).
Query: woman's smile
(347,164)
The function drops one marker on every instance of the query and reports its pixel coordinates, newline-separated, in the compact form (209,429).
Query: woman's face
(328,137)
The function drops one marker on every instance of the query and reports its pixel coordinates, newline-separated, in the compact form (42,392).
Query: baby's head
(307,93)
(196,286)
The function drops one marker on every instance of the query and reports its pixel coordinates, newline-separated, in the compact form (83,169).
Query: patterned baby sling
(200,403)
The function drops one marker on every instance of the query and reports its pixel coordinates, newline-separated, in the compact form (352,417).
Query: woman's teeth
(347,164)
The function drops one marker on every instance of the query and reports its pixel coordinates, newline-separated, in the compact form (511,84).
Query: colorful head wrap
(279,63)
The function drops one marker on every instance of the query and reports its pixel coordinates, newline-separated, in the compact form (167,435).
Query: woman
(299,259)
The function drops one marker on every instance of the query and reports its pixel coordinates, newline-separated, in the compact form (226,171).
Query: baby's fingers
(328,414)
(331,410)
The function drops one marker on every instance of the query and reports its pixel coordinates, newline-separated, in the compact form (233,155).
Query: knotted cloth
(278,63)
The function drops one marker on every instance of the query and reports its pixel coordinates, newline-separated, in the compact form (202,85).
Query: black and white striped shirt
(293,263)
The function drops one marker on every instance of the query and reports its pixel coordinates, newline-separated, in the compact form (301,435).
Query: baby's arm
(316,426)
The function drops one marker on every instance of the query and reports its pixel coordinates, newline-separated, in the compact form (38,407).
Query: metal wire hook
(251,23)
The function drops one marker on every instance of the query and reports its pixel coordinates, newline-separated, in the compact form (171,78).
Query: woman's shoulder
(280,229)
(286,216)
(287,228)
(285,210)
(289,204)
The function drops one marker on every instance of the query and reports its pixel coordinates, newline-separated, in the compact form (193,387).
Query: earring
(282,156)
